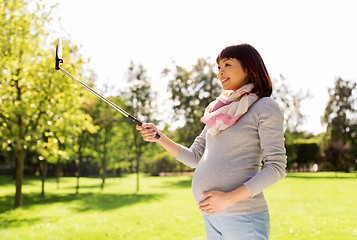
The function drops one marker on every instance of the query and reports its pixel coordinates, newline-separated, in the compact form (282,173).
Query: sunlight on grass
(163,209)
(302,206)
(314,206)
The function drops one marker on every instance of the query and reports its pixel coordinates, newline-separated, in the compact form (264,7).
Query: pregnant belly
(218,178)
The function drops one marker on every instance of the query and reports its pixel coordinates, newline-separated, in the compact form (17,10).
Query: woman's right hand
(148,132)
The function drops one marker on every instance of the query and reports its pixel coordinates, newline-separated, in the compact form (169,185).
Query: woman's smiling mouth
(223,80)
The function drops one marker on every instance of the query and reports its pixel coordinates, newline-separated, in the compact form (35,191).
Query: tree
(140,102)
(31,99)
(101,140)
(341,119)
(290,103)
(307,153)
(21,110)
(191,92)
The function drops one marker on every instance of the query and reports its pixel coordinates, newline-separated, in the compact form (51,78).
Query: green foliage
(341,118)
(139,98)
(340,112)
(38,108)
(104,151)
(139,95)
(192,91)
(163,162)
(307,153)
(302,150)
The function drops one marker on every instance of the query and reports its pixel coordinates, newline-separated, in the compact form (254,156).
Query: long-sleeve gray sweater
(234,157)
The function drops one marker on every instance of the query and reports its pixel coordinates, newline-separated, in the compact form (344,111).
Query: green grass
(314,206)
(302,206)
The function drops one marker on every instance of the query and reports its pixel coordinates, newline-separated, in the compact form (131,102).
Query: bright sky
(309,42)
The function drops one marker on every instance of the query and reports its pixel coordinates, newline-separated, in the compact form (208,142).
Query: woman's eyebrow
(223,61)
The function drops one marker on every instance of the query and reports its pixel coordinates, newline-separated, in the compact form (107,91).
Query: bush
(302,154)
(163,162)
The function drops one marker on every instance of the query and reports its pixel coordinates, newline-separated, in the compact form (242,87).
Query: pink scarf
(228,108)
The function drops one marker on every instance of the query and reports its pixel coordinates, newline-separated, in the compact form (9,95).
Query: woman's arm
(271,134)
(148,132)
(188,156)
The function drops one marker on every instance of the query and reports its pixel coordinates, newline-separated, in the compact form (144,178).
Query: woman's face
(231,74)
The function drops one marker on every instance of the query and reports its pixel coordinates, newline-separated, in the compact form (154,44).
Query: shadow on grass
(82,202)
(77,203)
(178,184)
(95,186)
(7,180)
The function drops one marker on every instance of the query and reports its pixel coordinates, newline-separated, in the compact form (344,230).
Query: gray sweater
(234,157)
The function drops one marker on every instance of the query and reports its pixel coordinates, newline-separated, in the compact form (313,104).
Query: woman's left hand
(215,202)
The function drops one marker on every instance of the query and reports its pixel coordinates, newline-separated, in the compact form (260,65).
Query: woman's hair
(253,64)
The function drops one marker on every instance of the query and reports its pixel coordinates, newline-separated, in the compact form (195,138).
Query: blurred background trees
(191,92)
(340,141)
(51,126)
(139,101)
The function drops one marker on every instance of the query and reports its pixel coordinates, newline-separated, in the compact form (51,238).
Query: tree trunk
(80,159)
(104,159)
(19,173)
(103,170)
(58,167)
(103,180)
(43,176)
(137,161)
(78,172)
(137,173)
(21,152)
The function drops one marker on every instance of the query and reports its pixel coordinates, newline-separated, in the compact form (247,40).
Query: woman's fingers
(207,208)
(148,132)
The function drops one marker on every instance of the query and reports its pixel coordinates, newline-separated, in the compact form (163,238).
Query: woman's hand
(148,132)
(215,202)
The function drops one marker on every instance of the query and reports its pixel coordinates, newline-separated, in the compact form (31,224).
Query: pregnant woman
(239,153)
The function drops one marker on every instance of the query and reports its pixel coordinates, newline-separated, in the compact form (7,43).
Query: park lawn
(314,206)
(302,206)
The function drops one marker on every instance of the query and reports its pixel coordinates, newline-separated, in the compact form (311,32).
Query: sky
(310,42)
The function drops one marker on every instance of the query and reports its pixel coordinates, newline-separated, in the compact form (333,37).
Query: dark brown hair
(253,64)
